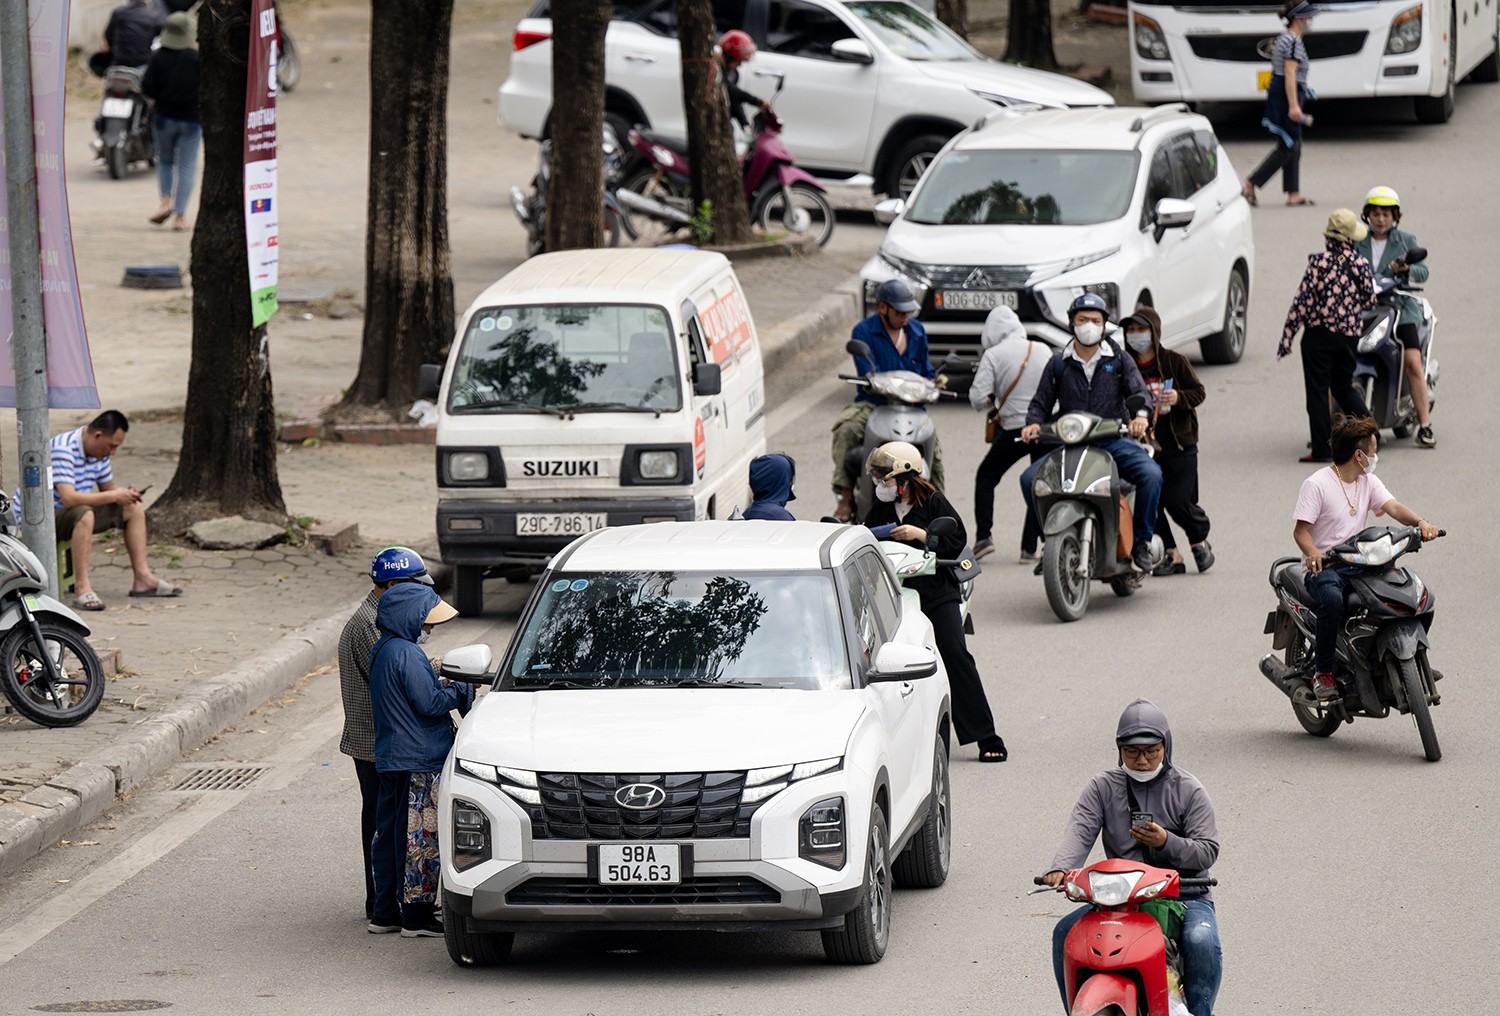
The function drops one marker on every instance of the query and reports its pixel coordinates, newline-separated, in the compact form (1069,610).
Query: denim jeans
(1202,959)
(176,158)
(1327,589)
(1134,466)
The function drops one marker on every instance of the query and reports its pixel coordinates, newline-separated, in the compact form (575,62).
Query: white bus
(1219,50)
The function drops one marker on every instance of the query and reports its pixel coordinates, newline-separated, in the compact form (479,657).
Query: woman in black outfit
(905,500)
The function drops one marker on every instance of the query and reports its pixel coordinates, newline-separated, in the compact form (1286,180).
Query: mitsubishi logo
(977,280)
(640,797)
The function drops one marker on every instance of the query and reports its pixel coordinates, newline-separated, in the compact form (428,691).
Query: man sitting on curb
(87,501)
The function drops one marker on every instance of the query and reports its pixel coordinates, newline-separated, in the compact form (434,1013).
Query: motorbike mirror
(938,528)
(99,64)
(857,347)
(429,380)
(855,51)
(1415,255)
(1135,403)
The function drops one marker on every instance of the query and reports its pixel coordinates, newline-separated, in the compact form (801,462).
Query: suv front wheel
(909,163)
(472,948)
(867,928)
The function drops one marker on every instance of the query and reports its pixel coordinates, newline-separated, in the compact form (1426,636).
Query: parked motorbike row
(650,199)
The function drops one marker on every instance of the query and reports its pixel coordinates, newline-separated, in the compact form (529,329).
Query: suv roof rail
(1140,122)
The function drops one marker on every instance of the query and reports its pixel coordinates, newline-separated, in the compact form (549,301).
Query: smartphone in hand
(1141,819)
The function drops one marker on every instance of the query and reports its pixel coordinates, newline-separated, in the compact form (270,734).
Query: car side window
(803,29)
(1158,185)
(661,17)
(1189,175)
(862,614)
(729,14)
(1208,154)
(882,589)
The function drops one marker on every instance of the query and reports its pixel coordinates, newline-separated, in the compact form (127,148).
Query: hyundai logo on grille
(640,796)
(977,280)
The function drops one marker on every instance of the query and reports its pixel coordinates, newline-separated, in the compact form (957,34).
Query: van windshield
(666,629)
(568,357)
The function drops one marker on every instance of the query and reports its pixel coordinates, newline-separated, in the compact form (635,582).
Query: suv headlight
(1150,42)
(518,784)
(821,835)
(471,835)
(772,780)
(1406,31)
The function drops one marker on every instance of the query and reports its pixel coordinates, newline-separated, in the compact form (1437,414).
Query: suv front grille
(987,277)
(582,806)
(563,891)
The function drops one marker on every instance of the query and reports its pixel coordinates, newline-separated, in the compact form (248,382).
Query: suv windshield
(911,32)
(570,356)
(665,629)
(1025,187)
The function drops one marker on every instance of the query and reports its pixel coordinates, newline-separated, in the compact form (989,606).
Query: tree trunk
(574,203)
(954,14)
(228,460)
(716,176)
(1029,34)
(409,315)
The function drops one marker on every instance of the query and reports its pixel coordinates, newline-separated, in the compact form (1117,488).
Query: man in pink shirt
(1331,508)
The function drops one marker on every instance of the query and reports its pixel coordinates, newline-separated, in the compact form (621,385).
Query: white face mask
(1139,341)
(1145,777)
(1088,334)
(1369,466)
(885,492)
(422,638)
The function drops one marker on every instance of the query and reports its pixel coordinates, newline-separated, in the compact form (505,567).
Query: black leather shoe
(1203,556)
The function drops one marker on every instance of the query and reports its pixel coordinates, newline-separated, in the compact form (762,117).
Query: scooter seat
(1291,579)
(676,144)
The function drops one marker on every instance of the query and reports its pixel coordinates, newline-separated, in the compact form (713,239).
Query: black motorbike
(531,209)
(1086,512)
(123,127)
(1381,659)
(1379,366)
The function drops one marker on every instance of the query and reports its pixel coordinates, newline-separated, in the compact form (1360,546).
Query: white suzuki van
(589,389)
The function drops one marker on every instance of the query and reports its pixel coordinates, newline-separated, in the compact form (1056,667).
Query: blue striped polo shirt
(71,466)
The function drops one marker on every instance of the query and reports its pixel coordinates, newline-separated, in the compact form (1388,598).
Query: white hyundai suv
(734,725)
(1032,209)
(871,86)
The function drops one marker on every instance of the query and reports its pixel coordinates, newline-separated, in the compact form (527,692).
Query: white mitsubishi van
(589,389)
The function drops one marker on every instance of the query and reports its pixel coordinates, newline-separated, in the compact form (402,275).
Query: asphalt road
(1343,859)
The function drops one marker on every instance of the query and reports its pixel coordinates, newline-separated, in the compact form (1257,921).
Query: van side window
(882,589)
(697,348)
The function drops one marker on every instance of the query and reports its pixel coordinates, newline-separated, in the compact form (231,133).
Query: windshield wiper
(509,404)
(614,405)
(705,683)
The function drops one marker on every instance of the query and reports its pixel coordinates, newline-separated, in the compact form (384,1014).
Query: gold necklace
(1352,510)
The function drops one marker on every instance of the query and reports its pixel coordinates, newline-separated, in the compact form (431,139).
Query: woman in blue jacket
(1386,248)
(413,733)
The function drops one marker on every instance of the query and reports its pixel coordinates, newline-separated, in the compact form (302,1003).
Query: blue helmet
(1088,301)
(399,564)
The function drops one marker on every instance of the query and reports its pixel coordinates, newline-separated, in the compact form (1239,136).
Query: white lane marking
(172,833)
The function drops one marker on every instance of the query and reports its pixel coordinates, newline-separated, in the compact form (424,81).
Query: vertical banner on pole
(70,371)
(260,159)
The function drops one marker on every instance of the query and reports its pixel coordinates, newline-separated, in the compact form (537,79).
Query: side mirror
(1172,213)
(1134,404)
(940,527)
(855,51)
(707,379)
(889,210)
(468,664)
(897,662)
(857,347)
(429,380)
(1415,254)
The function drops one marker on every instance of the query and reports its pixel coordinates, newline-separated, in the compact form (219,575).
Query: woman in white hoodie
(1005,381)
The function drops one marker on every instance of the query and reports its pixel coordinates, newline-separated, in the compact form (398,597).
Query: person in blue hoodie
(771,478)
(410,705)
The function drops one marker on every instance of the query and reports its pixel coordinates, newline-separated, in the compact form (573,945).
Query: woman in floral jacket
(1337,288)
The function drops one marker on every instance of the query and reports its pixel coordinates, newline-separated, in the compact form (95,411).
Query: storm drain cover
(221,778)
(104,1005)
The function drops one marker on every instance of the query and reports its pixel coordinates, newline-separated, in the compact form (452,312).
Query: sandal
(995,752)
(88,601)
(1298,204)
(1248,193)
(161,217)
(163,589)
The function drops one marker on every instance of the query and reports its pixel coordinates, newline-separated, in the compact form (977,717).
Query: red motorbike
(1115,957)
(782,197)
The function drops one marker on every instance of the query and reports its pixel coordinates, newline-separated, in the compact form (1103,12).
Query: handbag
(992,418)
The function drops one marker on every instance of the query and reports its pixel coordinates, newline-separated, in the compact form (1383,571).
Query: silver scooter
(48,670)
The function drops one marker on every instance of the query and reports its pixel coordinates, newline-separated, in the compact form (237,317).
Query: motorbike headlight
(1073,427)
(1381,551)
(1152,890)
(1406,31)
(1040,487)
(1111,889)
(1372,339)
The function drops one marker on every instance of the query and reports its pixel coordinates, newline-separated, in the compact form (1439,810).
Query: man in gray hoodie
(1180,833)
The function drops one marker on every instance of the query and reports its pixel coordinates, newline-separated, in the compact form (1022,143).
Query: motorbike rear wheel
(23,675)
(647,182)
(114,159)
(1313,718)
(800,209)
(1416,701)
(1125,585)
(1065,576)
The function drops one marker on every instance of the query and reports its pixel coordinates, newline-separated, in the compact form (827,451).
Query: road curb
(83,792)
(836,313)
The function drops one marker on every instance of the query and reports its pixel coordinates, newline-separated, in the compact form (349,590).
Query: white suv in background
(872,86)
(733,725)
(1033,209)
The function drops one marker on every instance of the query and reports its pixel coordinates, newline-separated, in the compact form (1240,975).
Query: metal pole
(28,340)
